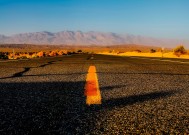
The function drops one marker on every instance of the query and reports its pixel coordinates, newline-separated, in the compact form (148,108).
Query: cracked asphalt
(139,96)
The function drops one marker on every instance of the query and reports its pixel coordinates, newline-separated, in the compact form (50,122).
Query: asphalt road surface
(139,96)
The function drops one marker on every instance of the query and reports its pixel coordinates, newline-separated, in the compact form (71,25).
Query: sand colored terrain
(156,54)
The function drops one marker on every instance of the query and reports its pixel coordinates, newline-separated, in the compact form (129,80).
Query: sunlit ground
(156,54)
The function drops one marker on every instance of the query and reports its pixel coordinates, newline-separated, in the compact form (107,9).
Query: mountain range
(87,38)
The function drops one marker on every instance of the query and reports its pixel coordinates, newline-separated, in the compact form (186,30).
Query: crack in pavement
(26,69)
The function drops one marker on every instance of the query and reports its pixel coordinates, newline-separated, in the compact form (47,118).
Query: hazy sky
(155,18)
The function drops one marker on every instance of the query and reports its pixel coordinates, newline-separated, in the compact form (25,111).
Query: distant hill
(87,38)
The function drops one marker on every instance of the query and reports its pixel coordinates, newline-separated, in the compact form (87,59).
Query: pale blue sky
(154,18)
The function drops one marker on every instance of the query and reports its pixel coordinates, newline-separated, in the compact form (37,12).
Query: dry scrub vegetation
(27,55)
(18,51)
(27,51)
